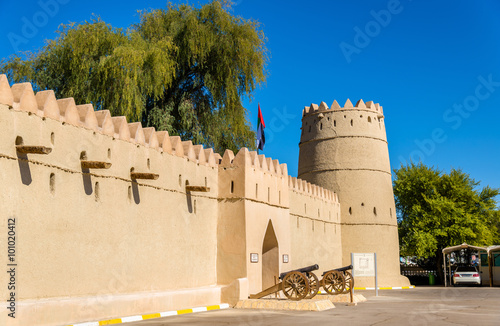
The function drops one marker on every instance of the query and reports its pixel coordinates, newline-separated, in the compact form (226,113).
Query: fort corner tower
(344,149)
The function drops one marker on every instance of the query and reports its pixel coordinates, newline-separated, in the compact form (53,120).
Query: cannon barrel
(341,269)
(301,270)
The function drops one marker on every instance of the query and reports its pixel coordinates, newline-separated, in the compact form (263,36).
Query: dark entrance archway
(270,257)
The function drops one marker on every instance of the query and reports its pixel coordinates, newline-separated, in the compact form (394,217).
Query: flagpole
(258,127)
(260,130)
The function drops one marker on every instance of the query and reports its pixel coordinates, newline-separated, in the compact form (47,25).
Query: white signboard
(363,264)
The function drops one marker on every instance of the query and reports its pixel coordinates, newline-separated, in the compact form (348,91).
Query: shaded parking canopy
(493,249)
(488,250)
(447,250)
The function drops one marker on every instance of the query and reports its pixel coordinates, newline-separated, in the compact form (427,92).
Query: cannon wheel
(295,286)
(334,282)
(313,285)
(349,281)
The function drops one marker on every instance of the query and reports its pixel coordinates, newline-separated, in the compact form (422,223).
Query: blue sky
(433,66)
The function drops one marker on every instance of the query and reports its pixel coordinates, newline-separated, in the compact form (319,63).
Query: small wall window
(321,126)
(97,191)
(375,211)
(351,122)
(109,152)
(309,128)
(256,190)
(305,208)
(369,119)
(268,194)
(180,180)
(83,155)
(350,211)
(52,138)
(232,186)
(335,123)
(148,163)
(52,183)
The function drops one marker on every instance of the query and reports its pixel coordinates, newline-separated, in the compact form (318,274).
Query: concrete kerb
(153,315)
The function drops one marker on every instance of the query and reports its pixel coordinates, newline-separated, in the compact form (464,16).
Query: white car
(466,275)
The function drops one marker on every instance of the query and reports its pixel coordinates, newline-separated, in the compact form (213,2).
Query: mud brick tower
(344,149)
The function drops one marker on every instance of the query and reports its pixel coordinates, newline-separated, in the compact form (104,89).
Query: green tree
(96,63)
(437,210)
(181,69)
(220,58)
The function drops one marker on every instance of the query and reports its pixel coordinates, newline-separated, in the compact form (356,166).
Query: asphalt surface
(419,306)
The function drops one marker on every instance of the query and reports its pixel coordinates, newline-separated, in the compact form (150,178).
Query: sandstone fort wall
(96,243)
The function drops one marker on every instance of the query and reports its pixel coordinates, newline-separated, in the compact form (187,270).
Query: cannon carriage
(337,281)
(302,283)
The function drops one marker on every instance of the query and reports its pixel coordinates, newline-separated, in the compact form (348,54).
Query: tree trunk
(439,263)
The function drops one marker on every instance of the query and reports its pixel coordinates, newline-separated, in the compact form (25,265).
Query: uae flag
(261,138)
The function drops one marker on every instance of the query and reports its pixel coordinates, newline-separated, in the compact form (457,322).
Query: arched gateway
(270,257)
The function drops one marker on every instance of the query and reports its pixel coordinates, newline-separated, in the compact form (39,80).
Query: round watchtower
(344,149)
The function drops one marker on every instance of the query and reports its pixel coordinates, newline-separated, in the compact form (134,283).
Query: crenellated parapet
(44,104)
(323,107)
(319,122)
(246,158)
(309,189)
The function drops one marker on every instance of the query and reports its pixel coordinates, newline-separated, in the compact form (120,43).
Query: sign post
(365,264)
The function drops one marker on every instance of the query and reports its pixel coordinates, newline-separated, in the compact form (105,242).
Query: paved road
(419,306)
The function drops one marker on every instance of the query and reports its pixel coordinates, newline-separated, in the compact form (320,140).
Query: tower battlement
(344,149)
(323,107)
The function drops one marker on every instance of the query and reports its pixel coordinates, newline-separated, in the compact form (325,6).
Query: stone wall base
(68,311)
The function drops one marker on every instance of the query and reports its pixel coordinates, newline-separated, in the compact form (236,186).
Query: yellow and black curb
(155,315)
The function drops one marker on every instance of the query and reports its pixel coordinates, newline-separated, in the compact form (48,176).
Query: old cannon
(337,281)
(302,283)
(294,284)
